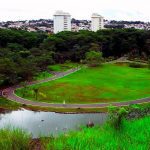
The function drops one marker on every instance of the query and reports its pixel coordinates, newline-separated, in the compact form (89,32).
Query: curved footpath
(12,96)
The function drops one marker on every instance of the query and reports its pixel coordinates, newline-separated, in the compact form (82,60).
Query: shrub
(94,58)
(149,63)
(116,116)
(136,65)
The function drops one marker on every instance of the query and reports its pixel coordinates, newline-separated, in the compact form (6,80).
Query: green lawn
(107,83)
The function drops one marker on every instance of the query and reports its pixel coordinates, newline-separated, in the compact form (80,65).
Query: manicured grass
(107,83)
(133,135)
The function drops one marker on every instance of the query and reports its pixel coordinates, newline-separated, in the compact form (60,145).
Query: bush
(149,63)
(136,65)
(94,58)
(116,116)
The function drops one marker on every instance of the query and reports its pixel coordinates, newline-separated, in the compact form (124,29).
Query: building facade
(62,21)
(97,22)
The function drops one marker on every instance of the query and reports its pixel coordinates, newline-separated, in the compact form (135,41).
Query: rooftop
(61,13)
(96,15)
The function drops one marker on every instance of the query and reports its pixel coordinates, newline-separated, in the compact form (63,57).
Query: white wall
(58,24)
(62,24)
(97,24)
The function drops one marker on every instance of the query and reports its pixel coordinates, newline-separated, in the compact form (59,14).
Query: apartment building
(97,22)
(62,21)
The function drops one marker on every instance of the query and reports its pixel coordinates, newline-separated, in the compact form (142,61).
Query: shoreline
(56,110)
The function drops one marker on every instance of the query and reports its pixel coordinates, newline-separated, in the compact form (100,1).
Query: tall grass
(4,103)
(15,139)
(133,135)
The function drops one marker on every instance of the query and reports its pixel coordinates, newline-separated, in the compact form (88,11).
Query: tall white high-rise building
(97,22)
(62,21)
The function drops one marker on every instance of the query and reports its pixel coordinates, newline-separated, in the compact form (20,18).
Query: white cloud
(80,9)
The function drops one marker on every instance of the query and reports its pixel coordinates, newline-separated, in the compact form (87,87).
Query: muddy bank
(4,110)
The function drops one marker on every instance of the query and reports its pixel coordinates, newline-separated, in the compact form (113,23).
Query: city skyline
(135,10)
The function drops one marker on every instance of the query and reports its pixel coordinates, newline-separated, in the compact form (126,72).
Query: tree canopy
(23,54)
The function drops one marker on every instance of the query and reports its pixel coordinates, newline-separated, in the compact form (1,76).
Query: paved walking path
(12,96)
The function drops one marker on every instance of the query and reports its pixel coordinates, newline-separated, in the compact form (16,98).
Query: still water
(48,123)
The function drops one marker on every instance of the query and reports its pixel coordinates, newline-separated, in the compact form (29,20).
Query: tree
(8,71)
(36,91)
(95,46)
(94,58)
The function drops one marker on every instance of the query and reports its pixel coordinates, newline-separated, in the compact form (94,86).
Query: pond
(48,123)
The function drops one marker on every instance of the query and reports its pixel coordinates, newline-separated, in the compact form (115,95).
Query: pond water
(48,123)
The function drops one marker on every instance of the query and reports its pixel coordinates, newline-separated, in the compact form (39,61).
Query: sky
(136,10)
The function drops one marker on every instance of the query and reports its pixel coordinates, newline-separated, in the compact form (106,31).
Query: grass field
(107,83)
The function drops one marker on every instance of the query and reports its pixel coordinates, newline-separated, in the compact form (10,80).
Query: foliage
(15,139)
(149,63)
(116,116)
(19,37)
(93,58)
(18,61)
(138,110)
(24,54)
(136,65)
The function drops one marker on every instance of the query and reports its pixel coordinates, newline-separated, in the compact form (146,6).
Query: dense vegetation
(24,54)
(27,56)
(107,83)
(15,139)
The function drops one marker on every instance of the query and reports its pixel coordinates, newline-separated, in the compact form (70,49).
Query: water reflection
(48,123)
